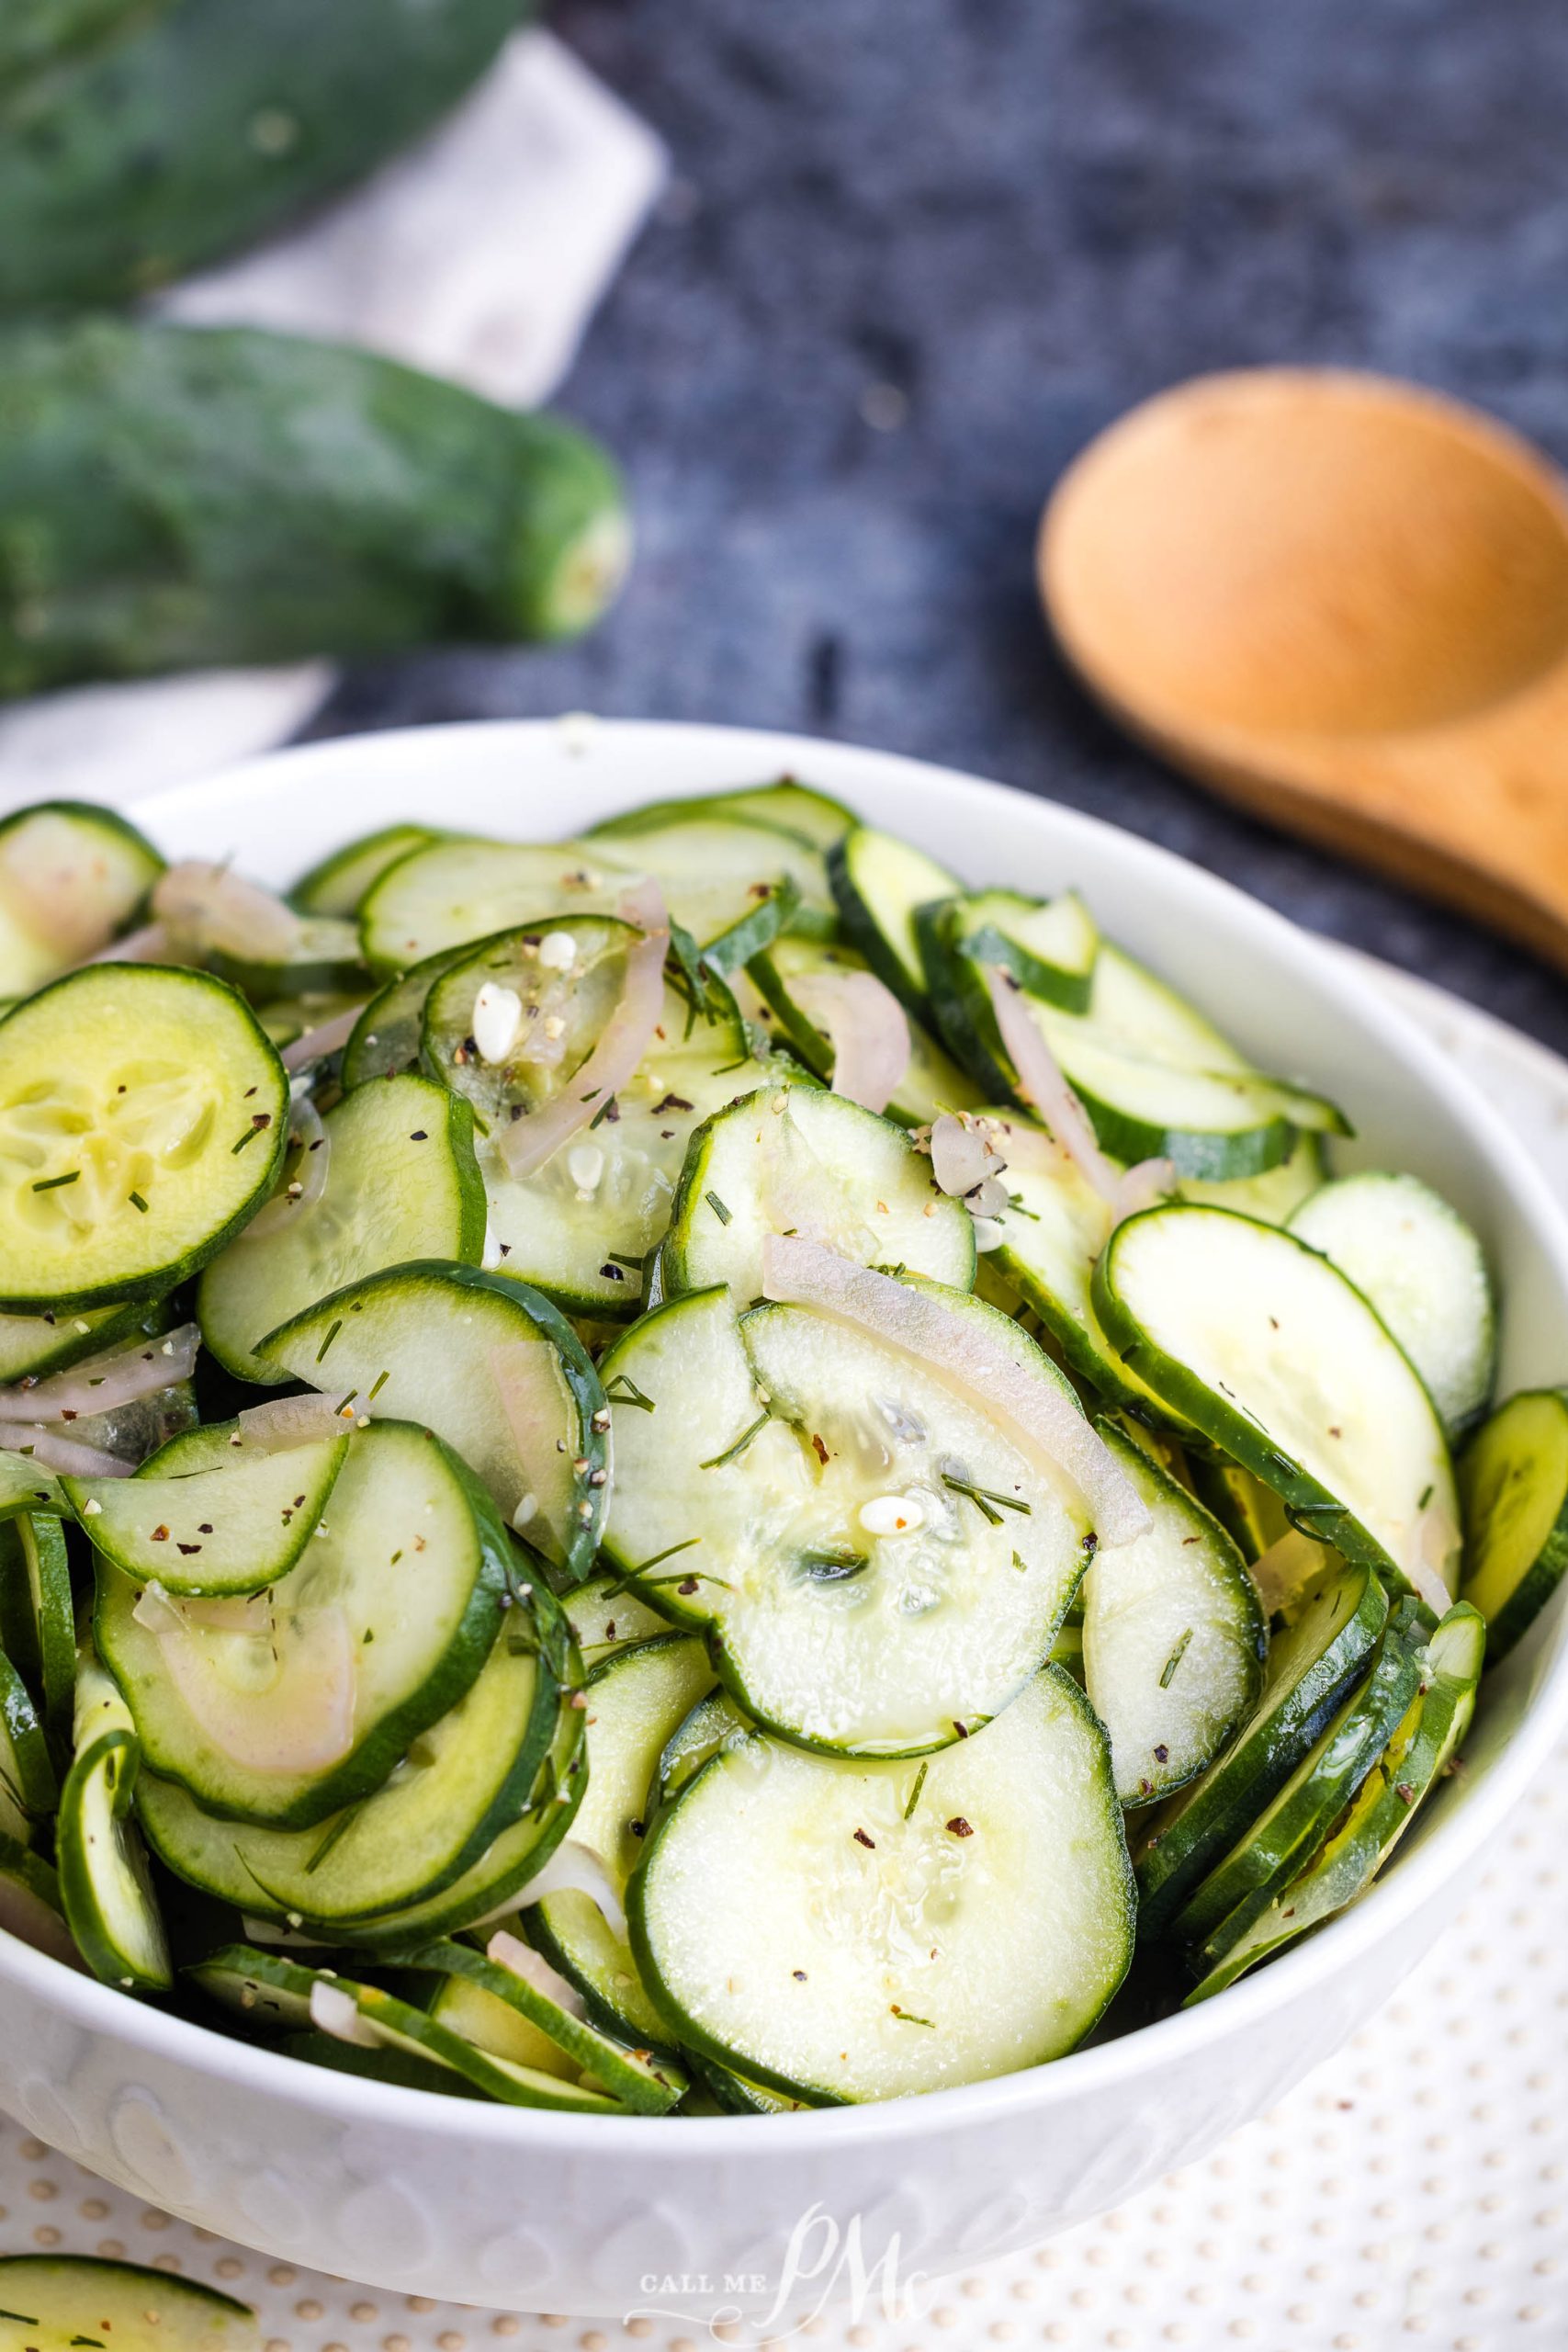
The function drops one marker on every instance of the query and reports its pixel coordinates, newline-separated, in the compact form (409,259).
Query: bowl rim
(104,2011)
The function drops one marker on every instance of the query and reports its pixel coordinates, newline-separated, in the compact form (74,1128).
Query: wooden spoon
(1343,602)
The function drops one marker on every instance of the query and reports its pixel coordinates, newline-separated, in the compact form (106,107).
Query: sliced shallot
(67,1454)
(1032,1411)
(103,1383)
(212,907)
(284,1422)
(297,1719)
(307,1128)
(1043,1085)
(336,2012)
(510,1952)
(1284,1571)
(315,1045)
(151,944)
(529,1383)
(575,1869)
(528,1142)
(1144,1185)
(962,1154)
(865,1025)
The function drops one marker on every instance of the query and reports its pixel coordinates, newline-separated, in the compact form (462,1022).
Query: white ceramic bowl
(500,2206)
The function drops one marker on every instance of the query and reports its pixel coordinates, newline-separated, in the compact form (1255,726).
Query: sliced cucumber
(105,1889)
(1415,1759)
(1271,1197)
(606,1615)
(27,1774)
(1049,946)
(385,1040)
(718,870)
(431,1342)
(797,1160)
(1296,1821)
(848,1931)
(396,2025)
(37,1616)
(234,1529)
(1423,1269)
(306,1706)
(377,2066)
(794,808)
(1173,1638)
(457,891)
(323,960)
(733,2094)
(698,1736)
(933,1084)
(142,1120)
(336,885)
(875,1564)
(636,1700)
(401,1182)
(1251,1513)
(32,1346)
(878,882)
(70,2297)
(31,1907)
(461,1784)
(1266,1348)
(511,2015)
(71,877)
(1513,1484)
(1312,1665)
(566,977)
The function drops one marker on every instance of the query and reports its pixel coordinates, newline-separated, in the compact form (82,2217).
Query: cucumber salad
(700,1467)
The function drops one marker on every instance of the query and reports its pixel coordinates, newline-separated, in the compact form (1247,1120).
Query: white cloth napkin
(480,255)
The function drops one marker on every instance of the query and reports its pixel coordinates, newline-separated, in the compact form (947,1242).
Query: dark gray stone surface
(920,250)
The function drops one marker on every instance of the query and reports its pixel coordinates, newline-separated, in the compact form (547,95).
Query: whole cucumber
(210,126)
(173,497)
(36,34)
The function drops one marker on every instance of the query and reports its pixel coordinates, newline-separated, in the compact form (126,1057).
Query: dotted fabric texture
(1414,2189)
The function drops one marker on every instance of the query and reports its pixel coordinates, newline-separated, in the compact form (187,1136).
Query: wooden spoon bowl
(1343,602)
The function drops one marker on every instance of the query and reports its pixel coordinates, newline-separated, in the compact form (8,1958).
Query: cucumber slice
(1513,1484)
(459,1786)
(71,877)
(797,1160)
(287,1019)
(66,2297)
(401,1182)
(878,882)
(458,891)
(1267,1348)
(142,1120)
(508,2014)
(31,1907)
(420,1341)
(934,1081)
(1424,1271)
(234,1529)
(27,1773)
(1417,1759)
(850,1931)
(580,1227)
(402,1596)
(735,2094)
(398,2026)
(32,1346)
(377,2066)
(384,1042)
(37,1615)
(1295,1822)
(1049,946)
(105,1888)
(322,961)
(1251,1513)
(636,1700)
(697,1736)
(794,808)
(717,870)
(1173,1638)
(1312,1665)
(1272,1197)
(887,1567)
(337,884)
(604,1616)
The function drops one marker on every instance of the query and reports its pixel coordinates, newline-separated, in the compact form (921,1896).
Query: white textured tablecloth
(1413,2190)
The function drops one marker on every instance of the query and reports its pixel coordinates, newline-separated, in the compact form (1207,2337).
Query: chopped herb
(1425,1497)
(22,2318)
(606,1110)
(1015,1202)
(622,1389)
(724,1068)
(1019,1562)
(381,1380)
(137,1203)
(733,1453)
(53,1183)
(618,1260)
(915,1791)
(984,1497)
(340,1829)
(332,1334)
(249,1136)
(669,1554)
(718,1207)
(906,2017)
(1174,1660)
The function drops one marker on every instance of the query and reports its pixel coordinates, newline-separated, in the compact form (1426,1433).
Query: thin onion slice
(302,1721)
(576,1869)
(532,1389)
(306,1127)
(315,1045)
(335,2012)
(104,1383)
(510,1952)
(962,1154)
(284,1422)
(1044,1086)
(212,907)
(68,1454)
(1032,1412)
(865,1025)
(1283,1572)
(528,1142)
(1144,1186)
(151,944)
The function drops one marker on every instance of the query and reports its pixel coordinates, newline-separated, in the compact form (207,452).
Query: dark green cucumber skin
(377,2066)
(368,1763)
(206,127)
(43,36)
(1539,1581)
(1214,1812)
(963,1020)
(83,1915)
(175,498)
(864,932)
